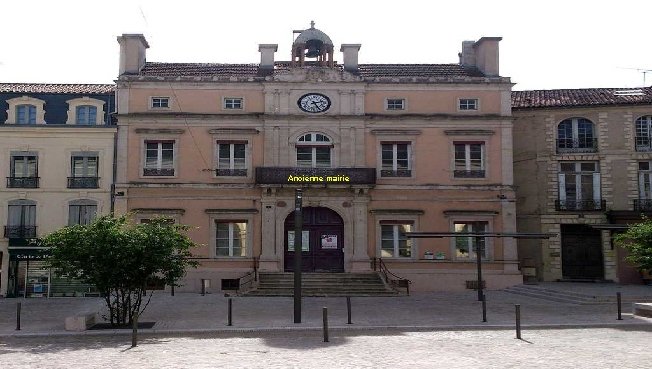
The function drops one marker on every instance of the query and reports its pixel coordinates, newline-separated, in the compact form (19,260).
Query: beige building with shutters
(379,150)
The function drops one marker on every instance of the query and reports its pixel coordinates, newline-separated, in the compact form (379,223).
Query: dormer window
(25,114)
(86,115)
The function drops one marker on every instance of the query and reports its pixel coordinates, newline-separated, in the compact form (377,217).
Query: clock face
(314,103)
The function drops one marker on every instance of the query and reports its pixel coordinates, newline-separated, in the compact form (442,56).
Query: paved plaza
(424,330)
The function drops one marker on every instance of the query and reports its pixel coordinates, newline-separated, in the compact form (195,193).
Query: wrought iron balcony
(22,182)
(643,205)
(230,172)
(324,176)
(468,173)
(580,205)
(395,173)
(154,172)
(20,232)
(571,145)
(83,182)
(643,144)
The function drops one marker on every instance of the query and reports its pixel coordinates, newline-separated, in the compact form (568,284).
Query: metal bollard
(325,315)
(203,287)
(348,309)
(484,308)
(230,318)
(18,308)
(172,290)
(518,321)
(620,307)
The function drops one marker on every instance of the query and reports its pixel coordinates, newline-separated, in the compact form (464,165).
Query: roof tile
(581,97)
(56,88)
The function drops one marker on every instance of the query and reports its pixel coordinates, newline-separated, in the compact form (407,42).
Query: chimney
(132,53)
(467,56)
(350,52)
(267,55)
(486,55)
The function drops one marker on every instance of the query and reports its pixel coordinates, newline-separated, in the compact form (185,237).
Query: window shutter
(73,214)
(596,190)
(562,187)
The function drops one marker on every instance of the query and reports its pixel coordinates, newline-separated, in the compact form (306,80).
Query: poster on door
(329,241)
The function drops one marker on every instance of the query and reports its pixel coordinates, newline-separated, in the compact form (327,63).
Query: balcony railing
(323,176)
(154,172)
(20,232)
(468,173)
(643,205)
(580,205)
(643,144)
(230,172)
(22,182)
(395,173)
(83,182)
(570,145)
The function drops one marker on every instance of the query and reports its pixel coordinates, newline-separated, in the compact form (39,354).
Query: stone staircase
(570,297)
(322,284)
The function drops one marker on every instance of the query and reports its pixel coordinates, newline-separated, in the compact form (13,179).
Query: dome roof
(313,33)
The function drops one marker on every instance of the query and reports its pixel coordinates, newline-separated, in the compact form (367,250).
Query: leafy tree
(638,241)
(119,258)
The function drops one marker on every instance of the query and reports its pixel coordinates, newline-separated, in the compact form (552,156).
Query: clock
(314,103)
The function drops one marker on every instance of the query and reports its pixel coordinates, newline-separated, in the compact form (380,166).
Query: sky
(546,44)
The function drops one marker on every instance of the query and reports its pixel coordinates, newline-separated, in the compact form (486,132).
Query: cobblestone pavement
(618,347)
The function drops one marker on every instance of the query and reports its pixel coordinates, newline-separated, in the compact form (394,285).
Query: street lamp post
(479,250)
(298,225)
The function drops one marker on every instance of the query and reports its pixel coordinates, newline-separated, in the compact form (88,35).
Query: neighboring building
(582,164)
(379,150)
(56,151)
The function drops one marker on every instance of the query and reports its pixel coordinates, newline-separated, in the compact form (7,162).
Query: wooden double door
(581,252)
(322,241)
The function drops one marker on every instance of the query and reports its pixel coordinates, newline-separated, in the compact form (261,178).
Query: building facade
(582,170)
(378,150)
(56,151)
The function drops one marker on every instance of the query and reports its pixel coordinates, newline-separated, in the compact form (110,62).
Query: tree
(119,258)
(638,241)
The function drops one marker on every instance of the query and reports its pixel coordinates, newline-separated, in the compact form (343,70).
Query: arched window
(576,135)
(314,151)
(21,220)
(86,115)
(25,114)
(82,212)
(643,133)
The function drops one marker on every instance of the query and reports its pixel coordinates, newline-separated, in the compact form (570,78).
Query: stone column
(360,258)
(269,260)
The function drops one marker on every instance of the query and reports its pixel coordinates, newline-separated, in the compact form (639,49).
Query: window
(160,102)
(644,202)
(231,238)
(21,222)
(469,160)
(395,160)
(232,103)
(82,212)
(86,115)
(83,170)
(579,186)
(393,241)
(468,104)
(314,151)
(643,142)
(159,158)
(23,171)
(395,104)
(466,247)
(231,159)
(25,114)
(576,135)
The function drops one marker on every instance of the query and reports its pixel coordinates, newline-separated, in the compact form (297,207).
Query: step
(322,284)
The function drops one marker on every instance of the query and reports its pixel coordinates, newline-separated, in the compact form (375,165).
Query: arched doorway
(323,241)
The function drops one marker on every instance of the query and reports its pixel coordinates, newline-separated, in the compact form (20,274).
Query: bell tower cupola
(312,44)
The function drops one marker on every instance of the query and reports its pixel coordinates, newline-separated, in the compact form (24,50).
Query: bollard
(230,318)
(172,290)
(18,307)
(203,287)
(484,308)
(325,315)
(518,321)
(620,308)
(348,309)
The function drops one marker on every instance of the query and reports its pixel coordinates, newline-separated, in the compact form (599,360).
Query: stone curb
(234,332)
